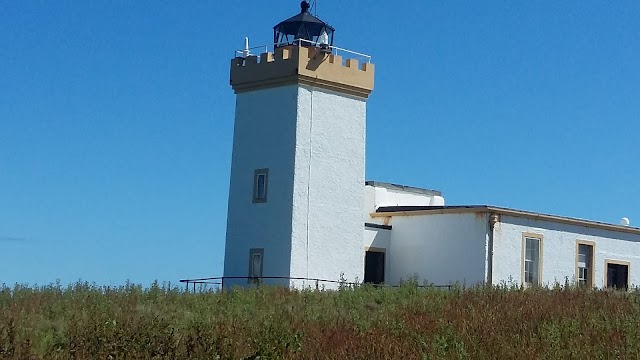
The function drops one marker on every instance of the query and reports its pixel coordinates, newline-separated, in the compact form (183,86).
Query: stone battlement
(302,65)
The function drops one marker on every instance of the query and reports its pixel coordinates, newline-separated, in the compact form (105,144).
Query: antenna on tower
(246,51)
(315,7)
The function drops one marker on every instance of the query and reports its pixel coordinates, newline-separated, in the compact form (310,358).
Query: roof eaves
(431,210)
(405,188)
(378,226)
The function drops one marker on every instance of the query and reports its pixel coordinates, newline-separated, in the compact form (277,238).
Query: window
(617,274)
(531,259)
(255,265)
(260,185)
(584,263)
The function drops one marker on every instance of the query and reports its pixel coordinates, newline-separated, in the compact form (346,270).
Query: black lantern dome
(303,26)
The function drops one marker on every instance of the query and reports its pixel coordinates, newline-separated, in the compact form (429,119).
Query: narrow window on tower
(255,265)
(260,185)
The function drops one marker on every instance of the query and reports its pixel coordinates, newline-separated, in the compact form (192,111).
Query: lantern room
(303,29)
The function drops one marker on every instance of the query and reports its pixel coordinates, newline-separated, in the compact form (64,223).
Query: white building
(419,236)
(296,196)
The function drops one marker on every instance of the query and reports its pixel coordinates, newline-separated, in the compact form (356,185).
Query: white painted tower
(298,164)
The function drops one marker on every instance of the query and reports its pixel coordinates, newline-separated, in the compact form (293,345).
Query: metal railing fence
(257,281)
(299,42)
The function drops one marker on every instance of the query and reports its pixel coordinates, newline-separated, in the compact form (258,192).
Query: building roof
(384,211)
(408,189)
(292,24)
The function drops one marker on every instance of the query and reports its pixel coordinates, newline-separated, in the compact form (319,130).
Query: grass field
(163,322)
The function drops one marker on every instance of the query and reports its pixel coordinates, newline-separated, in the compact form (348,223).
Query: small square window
(617,274)
(260,185)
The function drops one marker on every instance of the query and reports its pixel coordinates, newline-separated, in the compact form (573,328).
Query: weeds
(84,321)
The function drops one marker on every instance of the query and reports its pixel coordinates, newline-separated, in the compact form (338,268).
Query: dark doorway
(617,276)
(374,267)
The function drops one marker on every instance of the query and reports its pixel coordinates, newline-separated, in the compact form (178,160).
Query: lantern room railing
(251,51)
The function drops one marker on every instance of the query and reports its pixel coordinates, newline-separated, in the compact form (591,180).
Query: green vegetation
(89,322)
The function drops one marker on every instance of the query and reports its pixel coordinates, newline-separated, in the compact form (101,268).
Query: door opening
(617,276)
(374,267)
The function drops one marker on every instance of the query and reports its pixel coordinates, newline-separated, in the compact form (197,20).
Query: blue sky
(116,119)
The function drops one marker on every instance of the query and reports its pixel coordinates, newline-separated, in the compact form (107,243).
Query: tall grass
(83,321)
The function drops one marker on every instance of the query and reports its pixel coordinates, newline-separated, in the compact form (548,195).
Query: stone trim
(302,65)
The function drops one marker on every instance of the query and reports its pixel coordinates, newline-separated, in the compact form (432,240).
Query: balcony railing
(302,42)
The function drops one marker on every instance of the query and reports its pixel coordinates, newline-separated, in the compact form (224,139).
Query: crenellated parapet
(302,65)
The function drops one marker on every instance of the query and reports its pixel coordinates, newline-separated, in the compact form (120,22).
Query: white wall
(439,248)
(559,250)
(379,238)
(376,196)
(393,197)
(369,205)
(264,137)
(313,142)
(328,186)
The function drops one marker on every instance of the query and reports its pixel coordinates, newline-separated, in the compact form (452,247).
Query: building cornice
(403,188)
(431,210)
(302,65)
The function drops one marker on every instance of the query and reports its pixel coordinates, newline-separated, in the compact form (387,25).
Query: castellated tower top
(305,65)
(304,55)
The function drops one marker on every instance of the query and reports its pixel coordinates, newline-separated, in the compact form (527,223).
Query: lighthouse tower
(298,163)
